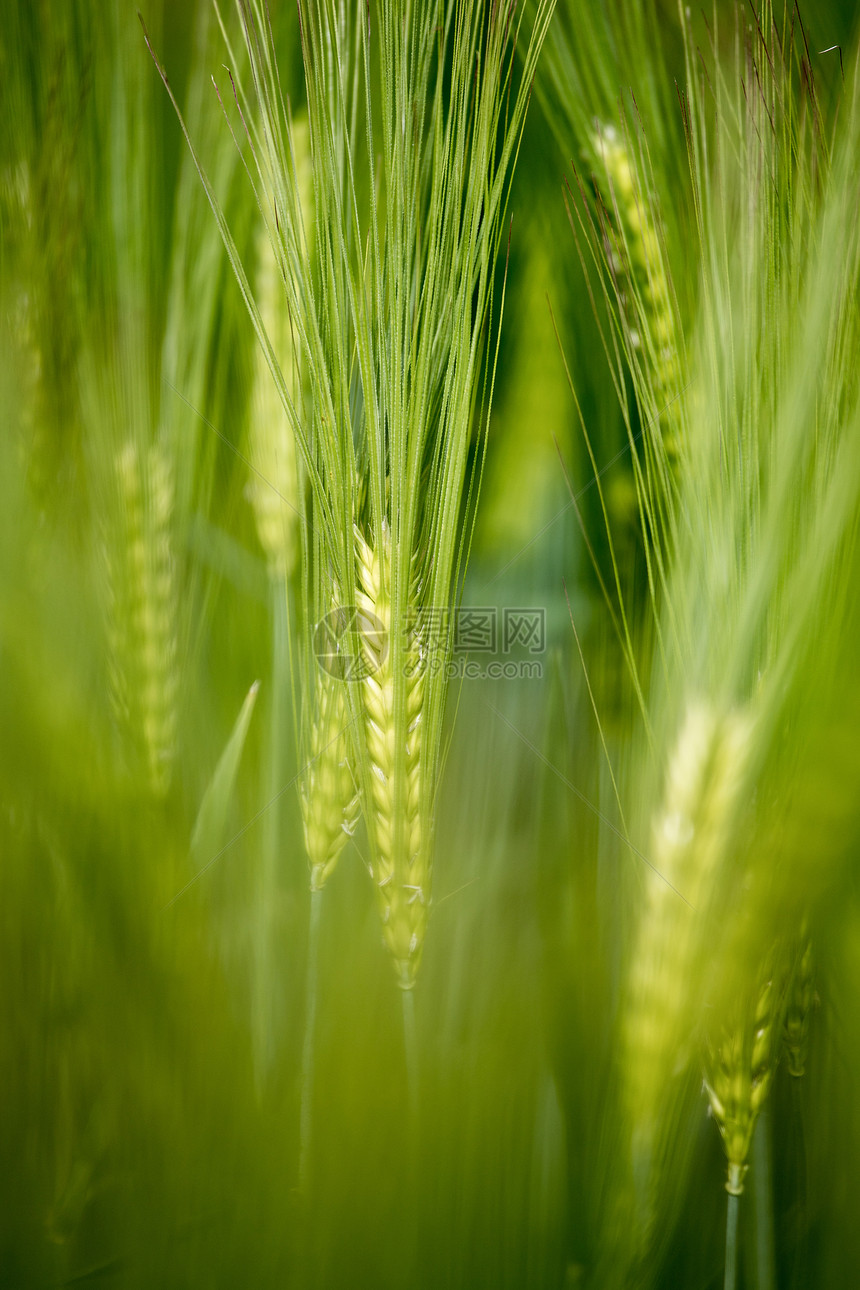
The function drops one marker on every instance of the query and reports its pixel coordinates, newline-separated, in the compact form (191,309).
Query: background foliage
(153,878)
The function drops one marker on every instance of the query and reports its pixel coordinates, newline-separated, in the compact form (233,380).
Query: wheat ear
(642,280)
(143,608)
(801,989)
(739,1070)
(398,831)
(330,800)
(689,836)
(273,489)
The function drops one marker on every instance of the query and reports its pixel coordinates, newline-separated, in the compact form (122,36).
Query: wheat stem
(763,1196)
(410,1044)
(731,1273)
(308,1044)
(265,954)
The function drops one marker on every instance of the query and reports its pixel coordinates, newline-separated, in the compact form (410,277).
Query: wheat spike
(401,863)
(143,608)
(689,837)
(273,489)
(650,308)
(330,800)
(799,1007)
(739,1071)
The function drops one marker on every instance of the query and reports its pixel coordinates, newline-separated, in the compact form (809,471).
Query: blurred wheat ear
(141,570)
(742,432)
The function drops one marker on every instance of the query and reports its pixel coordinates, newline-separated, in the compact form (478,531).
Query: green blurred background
(152,976)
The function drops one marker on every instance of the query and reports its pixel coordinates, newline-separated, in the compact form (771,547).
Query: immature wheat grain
(689,837)
(799,1006)
(273,489)
(401,866)
(142,608)
(330,800)
(647,300)
(739,1069)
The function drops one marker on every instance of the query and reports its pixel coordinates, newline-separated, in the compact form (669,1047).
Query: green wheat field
(429,667)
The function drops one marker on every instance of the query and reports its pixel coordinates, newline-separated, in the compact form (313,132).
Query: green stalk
(266,968)
(731,1276)
(306,1109)
(410,1044)
(762,1178)
(800,1169)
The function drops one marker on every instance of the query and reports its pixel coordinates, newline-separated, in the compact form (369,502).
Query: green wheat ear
(274,488)
(642,284)
(415,122)
(645,259)
(739,1070)
(329,795)
(690,834)
(798,1007)
(142,608)
(398,828)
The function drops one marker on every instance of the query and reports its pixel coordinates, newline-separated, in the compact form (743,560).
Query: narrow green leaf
(209,826)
